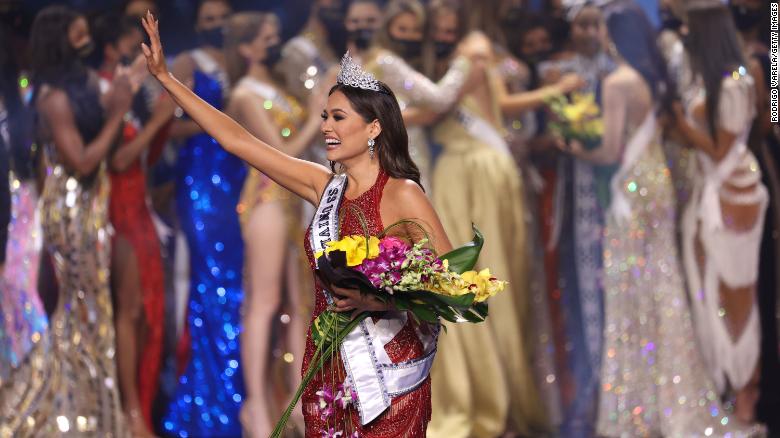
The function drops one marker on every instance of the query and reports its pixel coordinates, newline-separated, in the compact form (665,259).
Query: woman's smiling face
(346,132)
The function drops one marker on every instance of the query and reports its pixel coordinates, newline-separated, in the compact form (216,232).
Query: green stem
(314,366)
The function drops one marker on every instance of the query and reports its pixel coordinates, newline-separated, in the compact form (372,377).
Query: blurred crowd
(153,284)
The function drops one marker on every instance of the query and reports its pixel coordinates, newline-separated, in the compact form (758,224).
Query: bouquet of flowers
(411,276)
(577,118)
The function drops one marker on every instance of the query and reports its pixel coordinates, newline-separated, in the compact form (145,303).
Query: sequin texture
(209,182)
(653,379)
(409,414)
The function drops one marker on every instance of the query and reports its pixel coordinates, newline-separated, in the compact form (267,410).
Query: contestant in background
(476,180)
(72,390)
(24,330)
(208,185)
(362,20)
(395,59)
(136,267)
(724,221)
(653,376)
(270,221)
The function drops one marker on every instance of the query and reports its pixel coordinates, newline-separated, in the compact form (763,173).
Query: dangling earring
(371,148)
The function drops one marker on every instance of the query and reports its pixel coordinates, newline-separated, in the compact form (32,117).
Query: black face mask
(444,49)
(273,54)
(669,20)
(745,18)
(85,50)
(362,37)
(211,37)
(408,48)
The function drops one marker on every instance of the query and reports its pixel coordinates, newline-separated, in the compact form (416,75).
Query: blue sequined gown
(209,182)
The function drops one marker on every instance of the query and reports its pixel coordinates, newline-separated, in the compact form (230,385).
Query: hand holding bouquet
(578,118)
(408,276)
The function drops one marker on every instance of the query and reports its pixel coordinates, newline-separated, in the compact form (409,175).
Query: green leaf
(464,258)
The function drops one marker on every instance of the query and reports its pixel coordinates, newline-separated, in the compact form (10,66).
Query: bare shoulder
(183,65)
(404,192)
(405,199)
(52,100)
(624,78)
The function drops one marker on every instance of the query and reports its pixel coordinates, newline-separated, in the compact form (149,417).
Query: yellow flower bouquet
(577,118)
(411,276)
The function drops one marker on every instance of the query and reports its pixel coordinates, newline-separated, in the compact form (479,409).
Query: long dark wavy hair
(392,144)
(52,57)
(715,51)
(635,40)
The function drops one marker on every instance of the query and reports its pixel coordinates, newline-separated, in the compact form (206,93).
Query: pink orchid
(332,433)
(390,243)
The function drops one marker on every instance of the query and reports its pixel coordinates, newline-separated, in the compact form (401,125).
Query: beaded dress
(208,185)
(654,381)
(70,389)
(409,413)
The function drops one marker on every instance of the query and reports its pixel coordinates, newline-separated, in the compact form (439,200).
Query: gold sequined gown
(71,389)
(653,379)
(482,378)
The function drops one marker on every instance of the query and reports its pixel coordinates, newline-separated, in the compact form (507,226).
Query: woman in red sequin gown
(136,262)
(366,141)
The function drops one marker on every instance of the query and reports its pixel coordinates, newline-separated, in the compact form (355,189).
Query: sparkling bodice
(409,413)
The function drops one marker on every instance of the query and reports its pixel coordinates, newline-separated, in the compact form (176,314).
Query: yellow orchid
(483,284)
(355,248)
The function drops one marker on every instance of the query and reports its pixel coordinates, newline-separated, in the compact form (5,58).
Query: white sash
(208,65)
(714,176)
(370,372)
(482,130)
(620,208)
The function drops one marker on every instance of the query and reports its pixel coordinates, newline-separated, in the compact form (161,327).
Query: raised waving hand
(303,178)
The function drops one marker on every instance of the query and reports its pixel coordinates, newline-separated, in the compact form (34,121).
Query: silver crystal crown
(352,75)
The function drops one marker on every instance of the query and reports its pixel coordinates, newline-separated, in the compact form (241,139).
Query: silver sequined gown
(653,380)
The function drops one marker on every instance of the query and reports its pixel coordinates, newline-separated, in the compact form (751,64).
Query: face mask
(745,18)
(362,37)
(85,50)
(408,48)
(443,49)
(272,55)
(669,20)
(211,37)
(125,60)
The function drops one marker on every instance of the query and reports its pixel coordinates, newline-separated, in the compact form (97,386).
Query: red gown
(409,414)
(132,221)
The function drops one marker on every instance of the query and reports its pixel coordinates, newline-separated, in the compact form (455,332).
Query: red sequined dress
(409,413)
(132,221)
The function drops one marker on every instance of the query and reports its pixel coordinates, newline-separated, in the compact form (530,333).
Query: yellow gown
(482,379)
